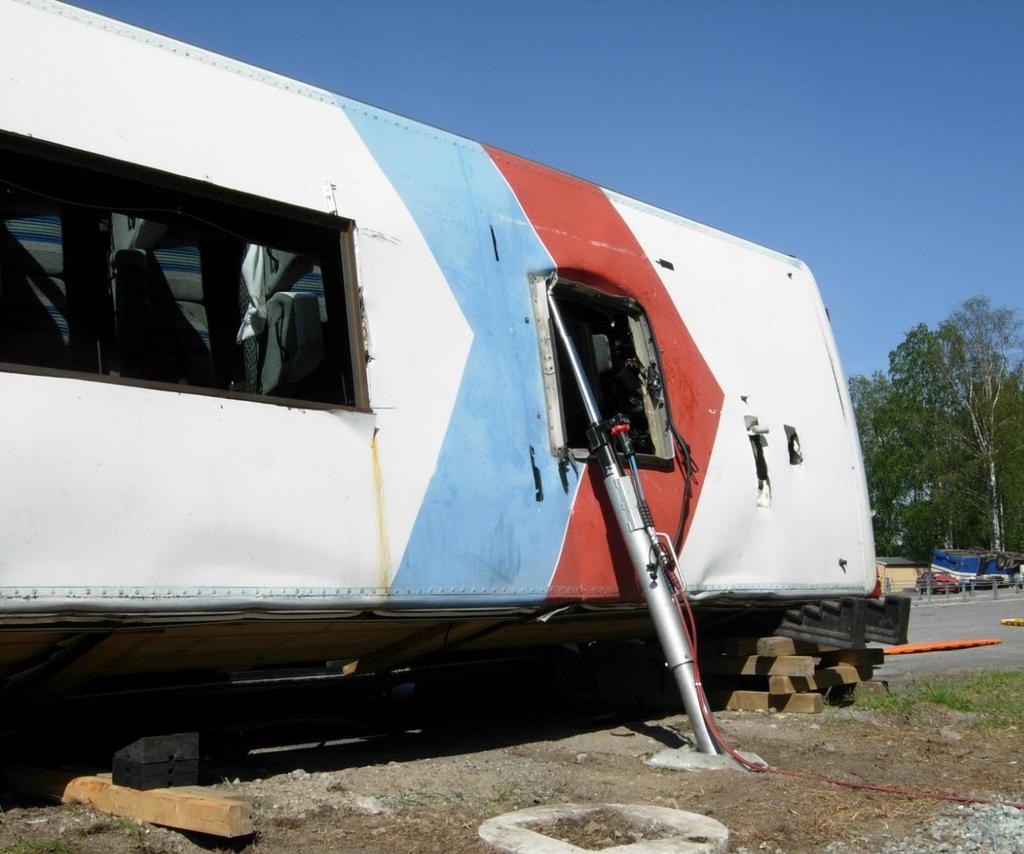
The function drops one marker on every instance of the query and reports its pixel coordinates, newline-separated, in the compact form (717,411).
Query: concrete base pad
(681,831)
(689,759)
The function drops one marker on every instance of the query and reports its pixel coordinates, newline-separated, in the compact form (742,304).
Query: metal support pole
(643,547)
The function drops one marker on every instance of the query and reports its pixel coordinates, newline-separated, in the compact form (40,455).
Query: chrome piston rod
(644,550)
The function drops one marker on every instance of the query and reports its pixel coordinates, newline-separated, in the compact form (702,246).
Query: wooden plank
(759,665)
(825,677)
(26,635)
(788,646)
(269,643)
(557,632)
(261,644)
(13,653)
(733,646)
(426,642)
(97,661)
(772,646)
(15,659)
(20,646)
(867,657)
(754,701)
(185,807)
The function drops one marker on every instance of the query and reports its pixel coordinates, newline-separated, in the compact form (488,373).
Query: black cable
(689,473)
(682,449)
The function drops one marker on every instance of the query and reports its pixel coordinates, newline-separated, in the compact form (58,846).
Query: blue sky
(881,142)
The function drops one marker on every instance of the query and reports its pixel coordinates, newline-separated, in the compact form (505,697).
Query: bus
(280,383)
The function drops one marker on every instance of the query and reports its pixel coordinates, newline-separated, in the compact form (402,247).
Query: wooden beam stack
(759,674)
(185,807)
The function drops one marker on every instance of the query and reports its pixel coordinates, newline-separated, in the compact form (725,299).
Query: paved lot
(949,618)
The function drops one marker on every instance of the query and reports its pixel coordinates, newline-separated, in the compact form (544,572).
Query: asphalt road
(947,617)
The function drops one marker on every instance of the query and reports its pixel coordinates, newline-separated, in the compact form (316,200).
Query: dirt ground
(429,790)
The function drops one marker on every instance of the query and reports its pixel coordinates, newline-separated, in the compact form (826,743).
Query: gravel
(986,827)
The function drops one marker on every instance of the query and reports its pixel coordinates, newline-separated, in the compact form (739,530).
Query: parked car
(940,582)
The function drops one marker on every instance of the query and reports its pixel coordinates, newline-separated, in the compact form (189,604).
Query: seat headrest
(130,232)
(274,269)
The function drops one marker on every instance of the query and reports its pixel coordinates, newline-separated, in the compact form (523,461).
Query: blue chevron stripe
(481,530)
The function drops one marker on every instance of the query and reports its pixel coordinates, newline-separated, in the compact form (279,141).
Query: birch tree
(943,434)
(980,364)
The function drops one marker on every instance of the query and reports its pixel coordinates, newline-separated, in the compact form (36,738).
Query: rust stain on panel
(384,550)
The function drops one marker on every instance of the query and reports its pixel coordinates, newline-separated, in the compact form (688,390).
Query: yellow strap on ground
(1013,621)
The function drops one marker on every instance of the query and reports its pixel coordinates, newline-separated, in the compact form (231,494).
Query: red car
(940,582)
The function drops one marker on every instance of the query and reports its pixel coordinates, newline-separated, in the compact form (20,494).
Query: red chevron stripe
(591,243)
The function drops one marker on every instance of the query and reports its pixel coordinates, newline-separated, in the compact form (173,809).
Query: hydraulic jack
(649,555)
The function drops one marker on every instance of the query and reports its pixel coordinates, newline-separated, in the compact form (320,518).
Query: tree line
(942,432)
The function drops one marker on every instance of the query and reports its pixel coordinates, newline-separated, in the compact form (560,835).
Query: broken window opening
(110,270)
(796,454)
(758,442)
(613,338)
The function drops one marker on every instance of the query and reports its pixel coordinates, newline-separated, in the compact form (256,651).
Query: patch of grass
(951,696)
(900,704)
(997,698)
(41,846)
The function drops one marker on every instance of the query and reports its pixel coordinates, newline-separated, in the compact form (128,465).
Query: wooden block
(858,657)
(185,807)
(736,646)
(753,701)
(825,677)
(788,646)
(772,646)
(871,687)
(757,665)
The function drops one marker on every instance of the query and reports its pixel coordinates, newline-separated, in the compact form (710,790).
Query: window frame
(350,321)
(641,334)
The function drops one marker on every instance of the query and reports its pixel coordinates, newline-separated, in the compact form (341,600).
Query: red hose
(690,625)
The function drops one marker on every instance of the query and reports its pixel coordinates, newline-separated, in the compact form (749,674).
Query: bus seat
(312,282)
(295,343)
(163,330)
(266,272)
(285,309)
(34,326)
